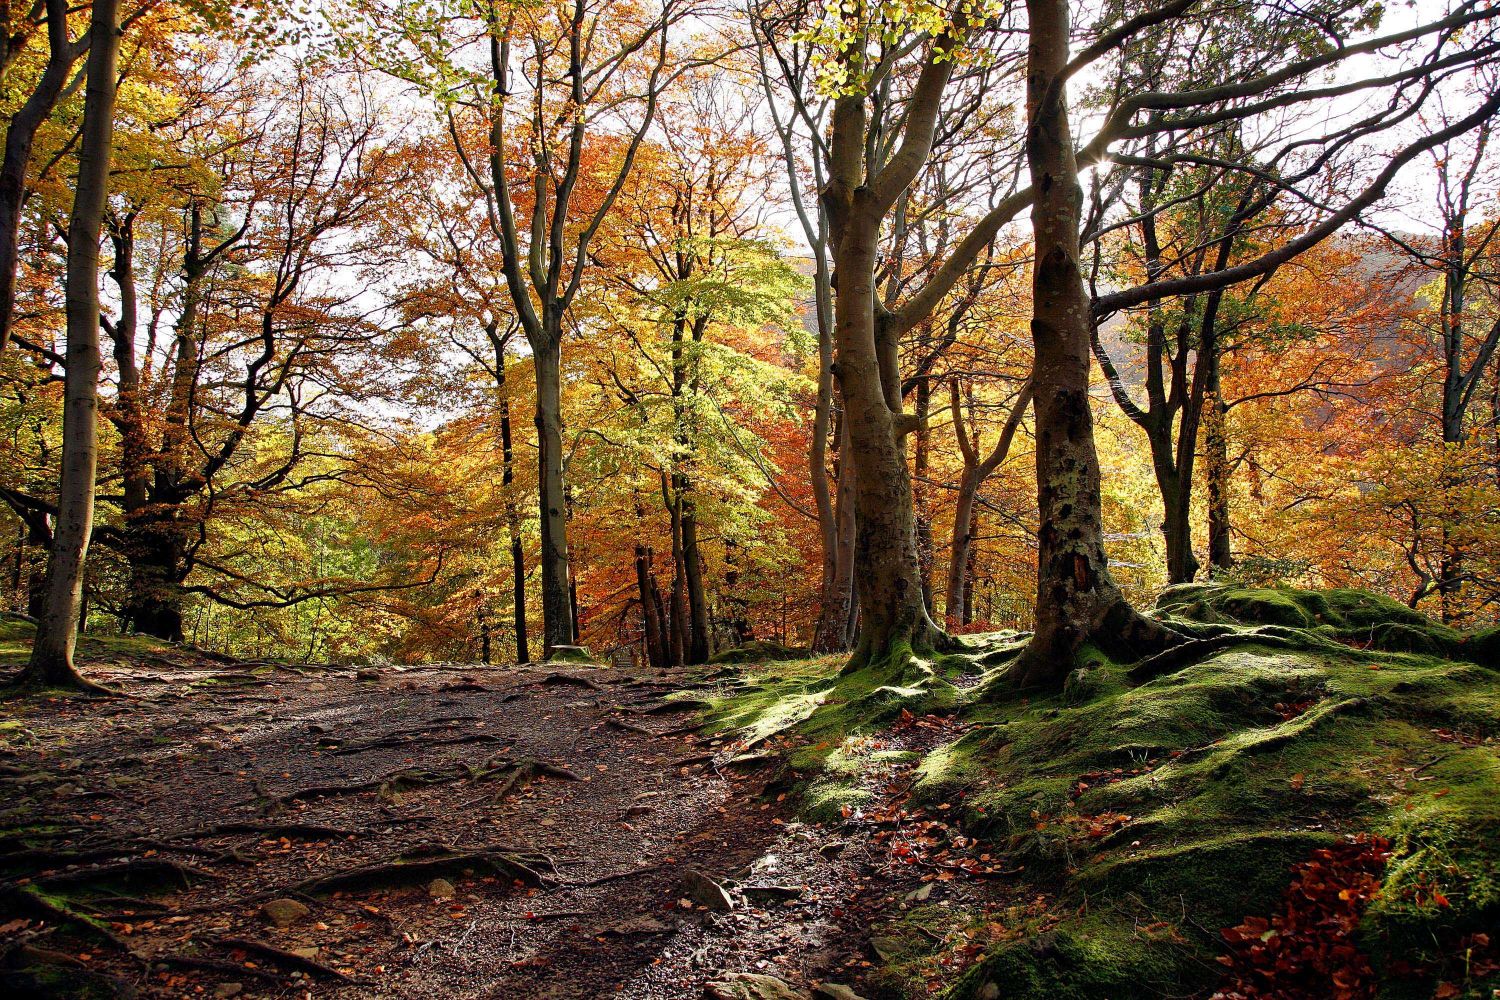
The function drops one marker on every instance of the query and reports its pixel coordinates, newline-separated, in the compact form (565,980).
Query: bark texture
(1076,598)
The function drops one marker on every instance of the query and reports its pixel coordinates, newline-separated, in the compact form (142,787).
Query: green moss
(759,651)
(1354,617)
(1097,956)
(1180,804)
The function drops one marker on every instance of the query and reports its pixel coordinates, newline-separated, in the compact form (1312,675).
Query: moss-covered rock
(760,651)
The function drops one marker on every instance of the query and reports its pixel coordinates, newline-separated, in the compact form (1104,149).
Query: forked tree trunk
(958,598)
(893,617)
(1077,600)
(51,661)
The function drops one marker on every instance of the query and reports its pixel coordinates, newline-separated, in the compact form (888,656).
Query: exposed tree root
(561,678)
(418,867)
(395,781)
(285,959)
(673,707)
(305,831)
(232,969)
(154,870)
(28,899)
(628,727)
(1118,629)
(393,743)
(1185,654)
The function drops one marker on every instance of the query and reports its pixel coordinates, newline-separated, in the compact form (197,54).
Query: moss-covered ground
(1151,816)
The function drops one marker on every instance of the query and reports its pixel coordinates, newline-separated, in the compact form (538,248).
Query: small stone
(309,953)
(770,891)
(367,674)
(832,849)
(920,895)
(440,888)
(284,912)
(642,923)
(989,991)
(705,891)
(317,686)
(833,991)
(229,989)
(888,948)
(749,986)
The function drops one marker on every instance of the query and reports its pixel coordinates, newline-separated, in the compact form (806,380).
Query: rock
(832,849)
(641,923)
(440,888)
(367,674)
(887,948)
(833,991)
(749,986)
(284,912)
(989,991)
(229,989)
(317,686)
(705,891)
(309,953)
(919,895)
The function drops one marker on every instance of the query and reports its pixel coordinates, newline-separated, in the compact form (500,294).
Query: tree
(568,92)
(1076,598)
(51,662)
(63,52)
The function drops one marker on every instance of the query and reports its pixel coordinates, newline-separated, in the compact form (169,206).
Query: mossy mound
(759,651)
(1356,618)
(1154,815)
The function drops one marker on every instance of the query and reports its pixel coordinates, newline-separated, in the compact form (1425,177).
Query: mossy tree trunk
(1077,599)
(893,614)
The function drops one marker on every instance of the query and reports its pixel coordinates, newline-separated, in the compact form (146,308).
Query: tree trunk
(837,610)
(1175,487)
(958,597)
(557,604)
(155,548)
(958,550)
(62,53)
(51,661)
(512,512)
(1216,466)
(656,650)
(1076,598)
(697,600)
(894,623)
(921,465)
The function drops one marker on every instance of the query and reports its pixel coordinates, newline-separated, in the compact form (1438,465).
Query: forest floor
(1305,796)
(588,843)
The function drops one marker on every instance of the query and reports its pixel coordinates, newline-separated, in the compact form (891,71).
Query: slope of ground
(1296,809)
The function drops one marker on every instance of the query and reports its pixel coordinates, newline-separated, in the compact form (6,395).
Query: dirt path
(565,808)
